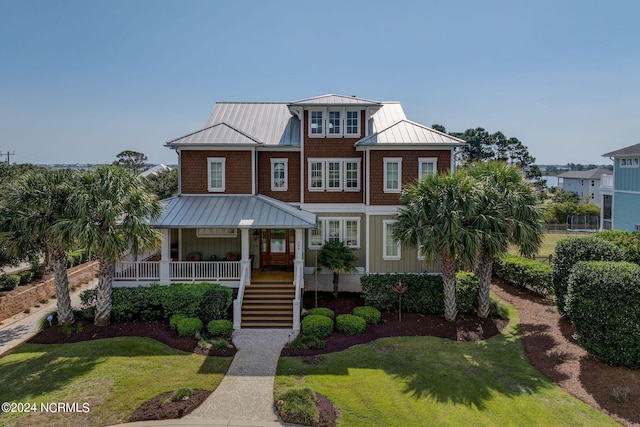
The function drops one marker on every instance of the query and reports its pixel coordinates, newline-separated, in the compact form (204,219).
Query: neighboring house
(155,170)
(621,191)
(584,184)
(265,184)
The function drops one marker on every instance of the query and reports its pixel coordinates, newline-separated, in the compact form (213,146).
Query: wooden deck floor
(271,276)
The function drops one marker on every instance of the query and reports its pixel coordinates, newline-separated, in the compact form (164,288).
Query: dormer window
(334,123)
(316,123)
(352,127)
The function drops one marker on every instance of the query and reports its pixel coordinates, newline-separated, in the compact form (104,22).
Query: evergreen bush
(571,250)
(220,328)
(350,324)
(627,241)
(467,285)
(317,326)
(9,282)
(371,315)
(322,311)
(25,277)
(603,303)
(188,326)
(173,320)
(526,273)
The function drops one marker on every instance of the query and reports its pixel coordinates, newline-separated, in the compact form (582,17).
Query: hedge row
(628,242)
(206,301)
(572,250)
(424,294)
(603,302)
(526,273)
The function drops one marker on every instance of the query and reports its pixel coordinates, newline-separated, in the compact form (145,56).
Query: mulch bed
(159,331)
(154,410)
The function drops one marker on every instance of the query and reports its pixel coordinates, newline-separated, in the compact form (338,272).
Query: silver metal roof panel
(332,99)
(408,132)
(230,211)
(221,133)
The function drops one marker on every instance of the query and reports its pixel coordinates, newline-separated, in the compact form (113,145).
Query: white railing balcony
(192,271)
(606,181)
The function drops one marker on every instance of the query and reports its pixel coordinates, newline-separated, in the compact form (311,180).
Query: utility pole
(8,154)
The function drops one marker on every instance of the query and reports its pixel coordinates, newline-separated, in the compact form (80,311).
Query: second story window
(334,123)
(216,166)
(316,123)
(629,162)
(392,175)
(334,174)
(279,180)
(352,127)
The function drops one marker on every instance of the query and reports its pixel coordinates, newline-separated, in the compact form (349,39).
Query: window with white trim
(629,162)
(352,127)
(216,172)
(390,246)
(392,175)
(334,174)
(316,123)
(342,229)
(334,123)
(427,166)
(279,172)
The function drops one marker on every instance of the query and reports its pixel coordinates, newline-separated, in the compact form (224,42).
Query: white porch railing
(179,270)
(606,181)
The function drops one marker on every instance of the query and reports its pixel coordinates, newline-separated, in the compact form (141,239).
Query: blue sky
(81,81)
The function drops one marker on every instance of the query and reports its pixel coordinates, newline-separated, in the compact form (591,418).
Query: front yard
(113,376)
(432,381)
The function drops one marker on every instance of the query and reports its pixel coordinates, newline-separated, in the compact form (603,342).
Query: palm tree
(509,215)
(29,210)
(436,216)
(112,210)
(339,258)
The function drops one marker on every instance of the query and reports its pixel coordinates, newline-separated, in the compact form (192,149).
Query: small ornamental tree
(337,257)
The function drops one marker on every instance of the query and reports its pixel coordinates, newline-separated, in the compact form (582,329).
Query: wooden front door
(277,248)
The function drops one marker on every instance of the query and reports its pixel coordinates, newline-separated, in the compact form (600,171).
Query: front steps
(268,305)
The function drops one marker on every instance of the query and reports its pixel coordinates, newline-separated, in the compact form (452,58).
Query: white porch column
(245,262)
(165,257)
(298,277)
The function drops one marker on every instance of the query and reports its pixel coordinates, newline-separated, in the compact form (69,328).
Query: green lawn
(114,376)
(414,381)
(549,242)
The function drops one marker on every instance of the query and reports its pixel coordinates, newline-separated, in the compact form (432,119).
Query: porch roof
(231,211)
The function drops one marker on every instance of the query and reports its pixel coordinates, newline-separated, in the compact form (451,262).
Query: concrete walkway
(18,329)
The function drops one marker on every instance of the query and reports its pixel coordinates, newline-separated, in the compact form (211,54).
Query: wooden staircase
(268,305)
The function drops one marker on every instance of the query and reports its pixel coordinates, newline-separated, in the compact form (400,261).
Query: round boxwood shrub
(173,320)
(572,250)
(350,324)
(322,311)
(9,282)
(603,303)
(220,328)
(317,326)
(298,406)
(25,277)
(371,315)
(188,326)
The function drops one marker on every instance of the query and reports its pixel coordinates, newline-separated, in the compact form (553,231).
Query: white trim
(367,256)
(323,226)
(423,146)
(216,232)
(285,186)
(358,126)
(254,177)
(427,160)
(634,162)
(367,184)
(342,174)
(387,161)
(626,191)
(323,112)
(222,161)
(385,238)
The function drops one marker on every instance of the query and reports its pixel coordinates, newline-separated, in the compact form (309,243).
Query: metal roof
(332,99)
(633,150)
(408,132)
(231,211)
(390,113)
(590,174)
(221,133)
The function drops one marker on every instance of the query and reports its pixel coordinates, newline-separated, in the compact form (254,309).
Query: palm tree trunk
(449,279)
(484,269)
(58,261)
(336,280)
(104,292)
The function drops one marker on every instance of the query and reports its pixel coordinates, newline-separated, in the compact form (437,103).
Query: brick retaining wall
(26,297)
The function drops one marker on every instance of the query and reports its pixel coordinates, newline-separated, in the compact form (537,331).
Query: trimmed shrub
(298,406)
(371,315)
(9,282)
(305,342)
(571,250)
(603,302)
(38,270)
(526,273)
(220,328)
(317,326)
(188,326)
(25,277)
(424,294)
(207,301)
(627,241)
(173,320)
(322,311)
(467,285)
(350,324)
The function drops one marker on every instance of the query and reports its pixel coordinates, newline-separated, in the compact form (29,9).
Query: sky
(81,81)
